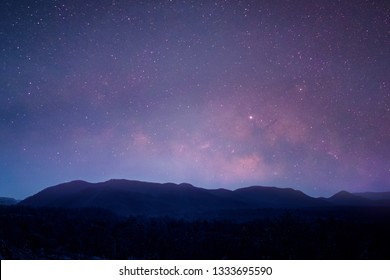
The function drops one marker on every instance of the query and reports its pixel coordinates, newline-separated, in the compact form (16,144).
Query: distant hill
(271,197)
(126,197)
(348,199)
(7,201)
(374,195)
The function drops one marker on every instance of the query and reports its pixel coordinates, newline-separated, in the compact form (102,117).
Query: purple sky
(213,93)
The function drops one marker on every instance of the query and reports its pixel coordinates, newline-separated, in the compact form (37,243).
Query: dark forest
(337,233)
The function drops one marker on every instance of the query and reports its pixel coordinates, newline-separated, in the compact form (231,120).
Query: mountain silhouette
(272,197)
(374,195)
(127,197)
(348,199)
(7,201)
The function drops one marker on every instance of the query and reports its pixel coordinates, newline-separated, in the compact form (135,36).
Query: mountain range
(7,201)
(127,197)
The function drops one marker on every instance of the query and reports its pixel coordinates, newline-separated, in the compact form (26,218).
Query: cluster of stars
(214,93)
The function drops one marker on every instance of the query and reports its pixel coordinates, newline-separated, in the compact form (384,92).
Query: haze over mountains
(125,197)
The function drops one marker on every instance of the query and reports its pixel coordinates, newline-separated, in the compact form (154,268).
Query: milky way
(220,94)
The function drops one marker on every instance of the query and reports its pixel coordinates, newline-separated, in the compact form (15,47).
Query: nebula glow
(213,93)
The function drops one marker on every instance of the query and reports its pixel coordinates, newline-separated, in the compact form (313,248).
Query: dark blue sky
(214,93)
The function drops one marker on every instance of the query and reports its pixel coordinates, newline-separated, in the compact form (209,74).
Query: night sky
(214,93)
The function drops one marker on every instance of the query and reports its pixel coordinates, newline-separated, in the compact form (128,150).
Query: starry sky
(219,94)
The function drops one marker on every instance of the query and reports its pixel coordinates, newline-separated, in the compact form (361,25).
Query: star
(181,91)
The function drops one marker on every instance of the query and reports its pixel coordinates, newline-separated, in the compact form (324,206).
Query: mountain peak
(186,185)
(349,199)
(342,194)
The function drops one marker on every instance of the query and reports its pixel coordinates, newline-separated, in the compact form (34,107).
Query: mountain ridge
(8,201)
(132,197)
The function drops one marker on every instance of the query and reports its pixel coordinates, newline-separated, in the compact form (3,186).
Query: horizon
(221,94)
(181,183)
